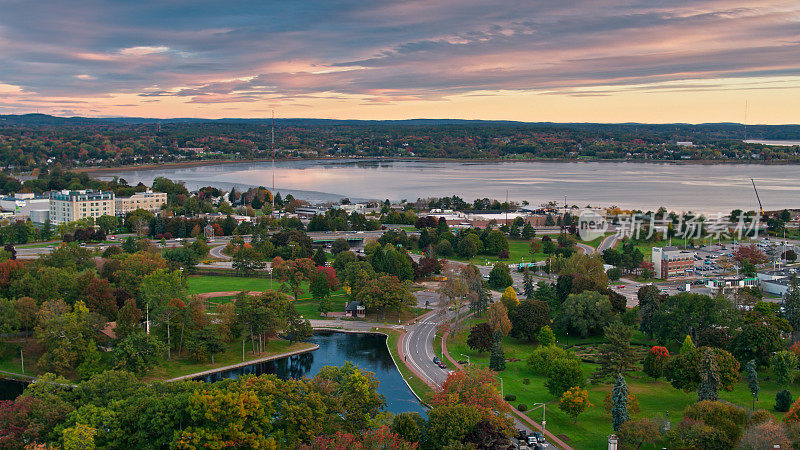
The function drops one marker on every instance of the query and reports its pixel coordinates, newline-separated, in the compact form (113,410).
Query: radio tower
(272,145)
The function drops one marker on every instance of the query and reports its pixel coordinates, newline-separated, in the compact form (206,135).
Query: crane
(757,198)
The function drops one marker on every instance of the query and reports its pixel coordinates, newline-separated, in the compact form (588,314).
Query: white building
(68,206)
(149,201)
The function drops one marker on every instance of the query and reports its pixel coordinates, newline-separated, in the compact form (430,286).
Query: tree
(752,380)
(637,432)
(509,299)
(708,389)
(683,370)
(319,257)
(500,276)
(408,426)
(546,337)
(481,337)
(247,261)
(584,314)
(749,254)
(138,353)
(339,245)
(528,318)
(527,285)
(619,403)
(497,318)
(497,359)
(791,305)
(165,292)
(655,361)
(783,401)
(616,354)
(563,374)
(65,334)
(297,328)
(650,299)
(386,292)
(528,232)
(319,287)
(79,437)
(293,273)
(756,341)
(783,365)
(765,435)
(687,347)
(689,313)
(128,319)
(574,401)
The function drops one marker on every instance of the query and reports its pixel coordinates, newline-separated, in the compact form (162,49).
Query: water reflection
(367,351)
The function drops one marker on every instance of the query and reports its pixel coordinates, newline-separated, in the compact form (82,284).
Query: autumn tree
(655,361)
(497,318)
(165,293)
(481,337)
(574,402)
(293,273)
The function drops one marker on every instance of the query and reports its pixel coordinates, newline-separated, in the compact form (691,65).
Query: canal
(365,350)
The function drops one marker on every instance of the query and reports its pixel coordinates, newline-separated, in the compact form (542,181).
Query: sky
(650,61)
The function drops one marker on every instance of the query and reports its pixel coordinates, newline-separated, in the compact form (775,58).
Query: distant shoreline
(173,165)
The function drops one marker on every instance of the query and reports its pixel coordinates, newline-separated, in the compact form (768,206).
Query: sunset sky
(528,60)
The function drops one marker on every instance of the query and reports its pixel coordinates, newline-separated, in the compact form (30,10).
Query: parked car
(539,436)
(436,360)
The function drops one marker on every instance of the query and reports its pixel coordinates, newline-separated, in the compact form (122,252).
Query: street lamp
(467,356)
(544,412)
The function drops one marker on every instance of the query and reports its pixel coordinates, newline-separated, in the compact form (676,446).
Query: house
(355,309)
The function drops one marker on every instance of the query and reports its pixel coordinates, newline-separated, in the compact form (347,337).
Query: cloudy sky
(530,60)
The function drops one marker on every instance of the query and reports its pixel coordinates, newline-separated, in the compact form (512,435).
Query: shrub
(526,381)
(510,397)
(760,416)
(783,400)
(541,360)
(522,407)
(723,416)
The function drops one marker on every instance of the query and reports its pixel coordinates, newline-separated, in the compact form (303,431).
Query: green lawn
(232,355)
(593,427)
(199,284)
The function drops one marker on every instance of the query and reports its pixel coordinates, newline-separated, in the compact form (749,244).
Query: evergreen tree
(619,402)
(497,359)
(752,380)
(47,230)
(527,284)
(527,231)
(709,376)
(319,257)
(616,354)
(688,346)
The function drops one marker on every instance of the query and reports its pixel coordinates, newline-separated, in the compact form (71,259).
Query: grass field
(232,355)
(656,398)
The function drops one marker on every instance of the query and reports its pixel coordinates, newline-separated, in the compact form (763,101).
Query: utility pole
(272,147)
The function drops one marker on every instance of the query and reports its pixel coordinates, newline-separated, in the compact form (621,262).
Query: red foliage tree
(750,254)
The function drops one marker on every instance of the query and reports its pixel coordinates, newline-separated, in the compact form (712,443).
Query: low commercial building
(731,282)
(671,263)
(777,282)
(149,201)
(69,206)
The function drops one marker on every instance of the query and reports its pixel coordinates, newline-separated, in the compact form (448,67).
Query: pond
(365,350)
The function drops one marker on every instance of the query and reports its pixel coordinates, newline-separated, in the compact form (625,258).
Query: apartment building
(671,263)
(68,206)
(149,200)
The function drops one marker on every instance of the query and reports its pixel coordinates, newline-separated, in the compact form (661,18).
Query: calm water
(679,187)
(367,351)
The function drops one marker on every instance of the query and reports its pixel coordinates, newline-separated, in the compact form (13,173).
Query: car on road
(620,286)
